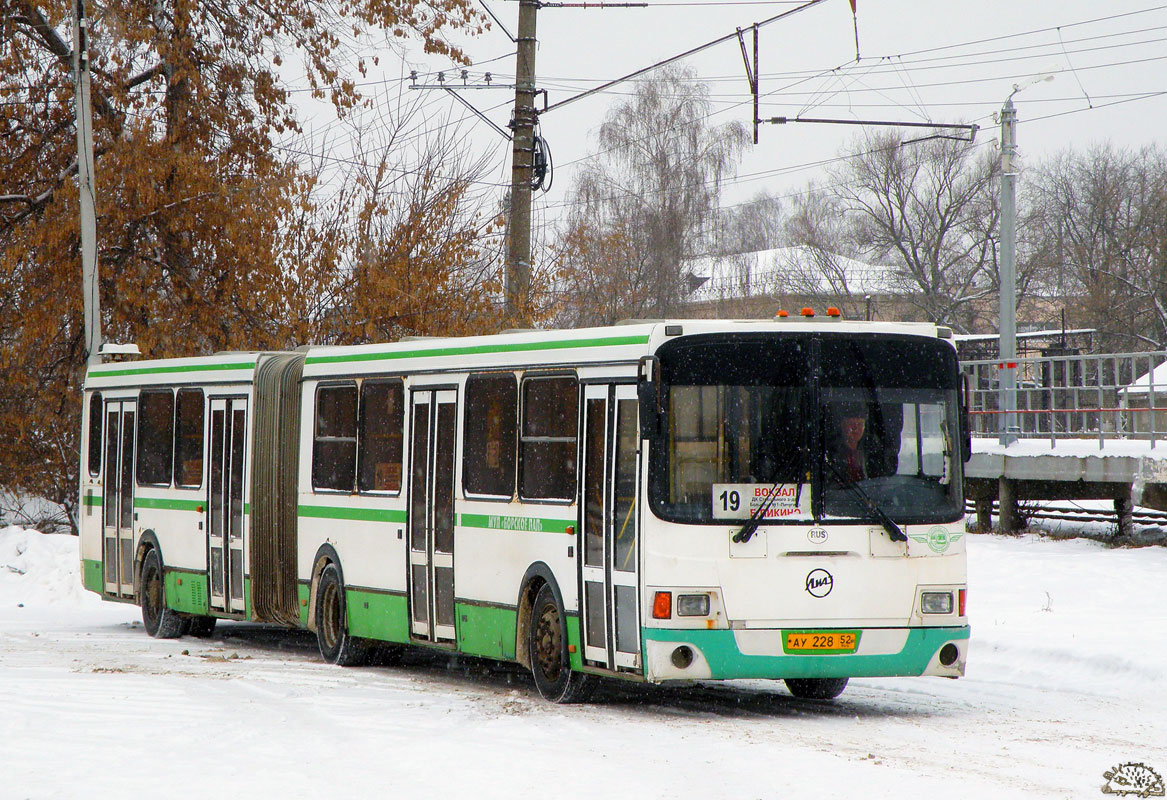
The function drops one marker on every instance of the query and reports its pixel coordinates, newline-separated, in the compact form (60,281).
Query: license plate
(820,641)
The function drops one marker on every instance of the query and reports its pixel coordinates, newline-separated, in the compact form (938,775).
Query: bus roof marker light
(807,311)
(834,312)
(782,314)
(662,605)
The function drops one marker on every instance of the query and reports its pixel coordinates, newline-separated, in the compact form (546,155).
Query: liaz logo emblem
(819,582)
(937,538)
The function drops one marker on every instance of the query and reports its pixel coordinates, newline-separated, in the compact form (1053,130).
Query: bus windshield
(808,427)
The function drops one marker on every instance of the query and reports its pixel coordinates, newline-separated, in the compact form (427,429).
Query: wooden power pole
(518,284)
(92,300)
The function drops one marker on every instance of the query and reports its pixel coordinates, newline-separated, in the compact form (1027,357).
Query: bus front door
(431,514)
(608,528)
(118,498)
(226,516)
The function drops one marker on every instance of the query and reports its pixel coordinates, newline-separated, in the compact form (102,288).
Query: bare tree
(754,225)
(820,266)
(930,210)
(1104,224)
(654,186)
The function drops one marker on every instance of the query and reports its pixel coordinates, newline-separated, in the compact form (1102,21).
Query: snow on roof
(787,270)
(1043,334)
(1142,384)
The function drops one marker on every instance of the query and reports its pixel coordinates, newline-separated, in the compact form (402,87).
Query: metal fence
(1105,396)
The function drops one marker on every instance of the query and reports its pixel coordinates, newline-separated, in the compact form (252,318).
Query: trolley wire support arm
(971,128)
(691,51)
(478,113)
(751,73)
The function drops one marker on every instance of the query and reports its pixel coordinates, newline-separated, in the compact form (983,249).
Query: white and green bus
(658,501)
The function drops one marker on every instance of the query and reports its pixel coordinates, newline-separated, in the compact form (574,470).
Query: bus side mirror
(965,428)
(648,395)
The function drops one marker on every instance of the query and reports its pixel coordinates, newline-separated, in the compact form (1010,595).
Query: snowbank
(40,571)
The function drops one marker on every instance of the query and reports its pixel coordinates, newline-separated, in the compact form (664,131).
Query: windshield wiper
(893,531)
(751,527)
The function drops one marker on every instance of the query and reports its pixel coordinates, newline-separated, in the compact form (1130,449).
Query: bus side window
(155,437)
(488,461)
(334,451)
(188,439)
(547,448)
(382,419)
(95,417)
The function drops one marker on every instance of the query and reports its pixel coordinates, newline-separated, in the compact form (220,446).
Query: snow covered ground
(1067,679)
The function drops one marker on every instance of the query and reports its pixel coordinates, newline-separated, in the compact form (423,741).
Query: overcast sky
(920,60)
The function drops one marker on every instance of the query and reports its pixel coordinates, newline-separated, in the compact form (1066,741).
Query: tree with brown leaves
(208,235)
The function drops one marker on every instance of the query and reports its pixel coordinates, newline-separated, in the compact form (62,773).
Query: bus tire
(160,622)
(816,688)
(336,646)
(202,627)
(547,646)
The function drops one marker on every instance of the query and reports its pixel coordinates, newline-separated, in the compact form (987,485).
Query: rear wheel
(160,622)
(816,688)
(548,650)
(336,646)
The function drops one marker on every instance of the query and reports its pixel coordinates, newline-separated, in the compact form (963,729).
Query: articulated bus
(657,501)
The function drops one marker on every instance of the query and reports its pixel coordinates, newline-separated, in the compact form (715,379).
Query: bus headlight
(692,605)
(936,602)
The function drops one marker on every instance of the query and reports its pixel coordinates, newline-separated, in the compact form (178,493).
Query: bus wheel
(202,627)
(548,651)
(816,688)
(336,646)
(160,622)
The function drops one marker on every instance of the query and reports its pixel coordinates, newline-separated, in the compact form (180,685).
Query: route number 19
(731,500)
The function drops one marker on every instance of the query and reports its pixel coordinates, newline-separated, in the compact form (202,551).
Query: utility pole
(92,299)
(518,284)
(1007,328)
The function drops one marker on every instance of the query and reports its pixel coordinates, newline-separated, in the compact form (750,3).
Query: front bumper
(726,654)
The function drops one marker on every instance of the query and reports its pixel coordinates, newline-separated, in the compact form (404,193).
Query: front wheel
(160,622)
(336,646)
(548,651)
(816,688)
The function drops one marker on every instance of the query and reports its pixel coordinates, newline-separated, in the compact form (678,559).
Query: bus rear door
(118,497)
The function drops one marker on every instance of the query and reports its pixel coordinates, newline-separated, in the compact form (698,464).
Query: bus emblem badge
(938,538)
(819,582)
(816,536)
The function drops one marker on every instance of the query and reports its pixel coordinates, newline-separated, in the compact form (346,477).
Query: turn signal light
(662,605)
(960,601)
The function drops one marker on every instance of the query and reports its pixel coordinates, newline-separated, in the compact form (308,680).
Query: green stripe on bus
(726,661)
(188,592)
(376,615)
(479,349)
(170,369)
(169,503)
(361,514)
(510,523)
(91,575)
(91,500)
(487,631)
